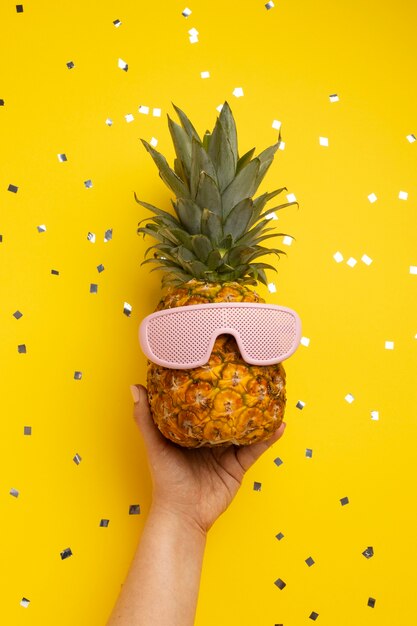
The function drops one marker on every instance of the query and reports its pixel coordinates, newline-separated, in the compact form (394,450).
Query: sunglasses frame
(147,350)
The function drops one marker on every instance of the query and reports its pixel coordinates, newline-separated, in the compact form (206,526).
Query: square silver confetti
(62,158)
(55,272)
(88,183)
(91,237)
(77,459)
(371,602)
(21,348)
(78,375)
(66,553)
(70,65)
(108,235)
(17,315)
(104,523)
(344,501)
(24,602)
(129,117)
(127,309)
(41,228)
(257,486)
(100,268)
(368,553)
(334,97)
(187,12)
(300,405)
(269,5)
(123,65)
(278,461)
(19,8)
(12,188)
(117,23)
(14,492)
(411,138)
(109,122)
(280,583)
(27,430)
(134,509)
(279,536)
(93,288)
(309,453)
(349,398)
(310,561)
(313,616)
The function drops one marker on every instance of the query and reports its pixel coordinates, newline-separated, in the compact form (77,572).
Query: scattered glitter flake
(1,238)
(104,523)
(66,553)
(372,197)
(366,259)
(280,583)
(272,288)
(109,122)
(100,268)
(108,235)
(1,102)
(93,288)
(27,430)
(134,509)
(349,398)
(411,138)
(389,345)
(313,616)
(41,228)
(14,493)
(78,375)
(375,415)
(287,241)
(269,5)
(309,453)
(17,315)
(156,112)
(324,141)
(12,188)
(257,486)
(271,216)
(291,197)
(305,341)
(300,405)
(279,536)
(129,117)
(238,92)
(19,8)
(403,195)
(338,257)
(278,461)
(153,142)
(281,145)
(77,459)
(310,561)
(24,602)
(344,501)
(21,348)
(127,309)
(88,184)
(143,109)
(123,65)
(70,65)
(351,262)
(276,124)
(193,35)
(205,74)
(117,23)
(368,553)
(62,158)
(55,272)
(91,237)
(334,97)
(413,269)
(187,12)
(371,602)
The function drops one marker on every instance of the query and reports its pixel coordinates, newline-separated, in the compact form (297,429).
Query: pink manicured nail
(135,393)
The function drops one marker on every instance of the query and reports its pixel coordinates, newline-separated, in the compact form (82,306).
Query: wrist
(178,517)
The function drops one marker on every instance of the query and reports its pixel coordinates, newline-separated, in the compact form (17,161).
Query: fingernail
(135,393)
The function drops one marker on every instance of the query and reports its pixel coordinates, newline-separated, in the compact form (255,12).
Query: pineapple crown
(218,225)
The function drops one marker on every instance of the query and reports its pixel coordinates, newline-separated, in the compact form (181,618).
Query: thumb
(143,418)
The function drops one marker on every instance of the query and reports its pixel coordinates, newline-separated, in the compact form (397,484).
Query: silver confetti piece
(134,509)
(62,158)
(187,12)
(91,237)
(279,536)
(344,501)
(309,453)
(278,461)
(77,459)
(78,375)
(93,288)
(70,65)
(257,486)
(123,65)
(313,616)
(12,188)
(21,348)
(41,228)
(100,268)
(17,315)
(127,309)
(108,235)
(27,430)
(371,602)
(109,122)
(368,553)
(300,405)
(104,523)
(55,272)
(14,493)
(310,561)
(66,553)
(117,23)
(280,583)
(88,184)
(24,602)
(269,5)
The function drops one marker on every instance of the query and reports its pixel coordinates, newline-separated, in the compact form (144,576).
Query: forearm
(161,588)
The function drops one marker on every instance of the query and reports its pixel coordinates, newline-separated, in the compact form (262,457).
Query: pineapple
(208,250)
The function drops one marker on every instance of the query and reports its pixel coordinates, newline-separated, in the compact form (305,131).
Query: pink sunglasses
(183,337)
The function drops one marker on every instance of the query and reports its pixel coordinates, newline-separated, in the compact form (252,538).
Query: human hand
(198,484)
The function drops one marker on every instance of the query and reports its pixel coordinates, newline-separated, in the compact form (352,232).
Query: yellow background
(288,61)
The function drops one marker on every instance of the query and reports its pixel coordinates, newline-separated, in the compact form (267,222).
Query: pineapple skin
(227,401)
